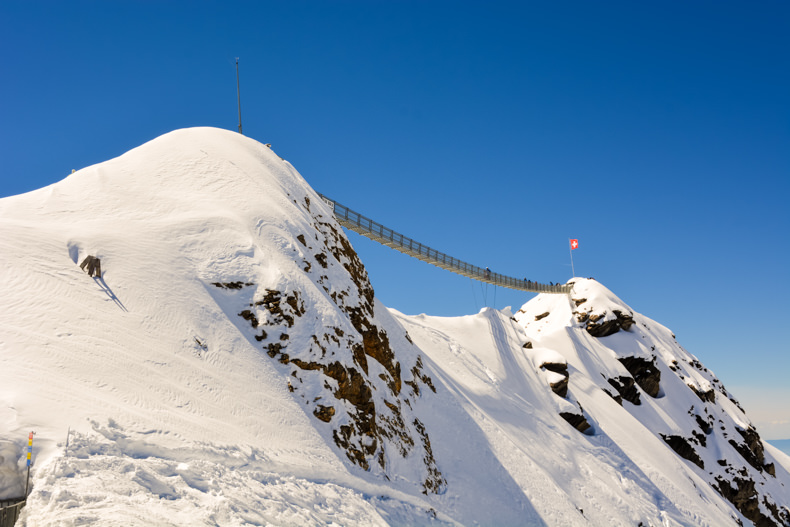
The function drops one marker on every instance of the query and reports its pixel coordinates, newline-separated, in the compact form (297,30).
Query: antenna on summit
(238,92)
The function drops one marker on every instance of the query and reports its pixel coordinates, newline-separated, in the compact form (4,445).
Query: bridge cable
(474,295)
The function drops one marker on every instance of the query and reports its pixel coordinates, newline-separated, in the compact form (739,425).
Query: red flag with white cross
(574,244)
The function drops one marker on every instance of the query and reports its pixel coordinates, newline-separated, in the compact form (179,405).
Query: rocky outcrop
(683,448)
(626,388)
(606,327)
(419,376)
(708,396)
(560,387)
(577,421)
(645,373)
(751,449)
(742,494)
(704,425)
(349,377)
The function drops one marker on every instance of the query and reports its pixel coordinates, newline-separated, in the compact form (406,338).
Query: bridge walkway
(375,231)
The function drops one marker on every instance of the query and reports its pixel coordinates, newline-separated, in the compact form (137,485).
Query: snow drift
(231,366)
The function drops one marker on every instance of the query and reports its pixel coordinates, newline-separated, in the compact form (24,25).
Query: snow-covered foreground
(231,366)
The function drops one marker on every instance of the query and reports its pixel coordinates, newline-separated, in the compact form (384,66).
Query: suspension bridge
(377,232)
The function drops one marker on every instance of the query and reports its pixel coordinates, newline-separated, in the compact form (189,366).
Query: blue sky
(657,133)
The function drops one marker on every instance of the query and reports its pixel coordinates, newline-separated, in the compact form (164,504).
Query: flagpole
(570,249)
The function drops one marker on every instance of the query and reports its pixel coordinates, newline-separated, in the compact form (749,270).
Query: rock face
(626,388)
(683,447)
(644,372)
(579,422)
(560,386)
(751,449)
(599,326)
(741,492)
(347,372)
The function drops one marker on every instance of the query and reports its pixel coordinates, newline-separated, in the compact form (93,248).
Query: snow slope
(621,470)
(232,366)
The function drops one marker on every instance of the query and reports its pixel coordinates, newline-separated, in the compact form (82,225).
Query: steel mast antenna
(238,92)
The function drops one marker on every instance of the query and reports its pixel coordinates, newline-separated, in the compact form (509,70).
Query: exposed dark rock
(703,424)
(356,453)
(321,259)
(579,301)
(700,438)
(527,345)
(560,387)
(273,349)
(544,315)
(272,302)
(618,398)
(579,422)
(231,285)
(742,495)
(736,403)
(644,372)
(745,498)
(604,329)
(419,375)
(376,345)
(782,515)
(342,251)
(302,240)
(683,448)
(250,317)
(752,450)
(626,388)
(608,327)
(595,317)
(556,367)
(708,396)
(625,321)
(435,482)
(324,413)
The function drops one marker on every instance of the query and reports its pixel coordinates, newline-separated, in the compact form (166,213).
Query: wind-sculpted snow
(232,366)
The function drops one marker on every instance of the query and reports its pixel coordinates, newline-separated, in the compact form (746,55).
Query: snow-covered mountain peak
(231,365)
(640,365)
(229,300)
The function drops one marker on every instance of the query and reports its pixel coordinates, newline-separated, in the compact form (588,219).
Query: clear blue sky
(657,133)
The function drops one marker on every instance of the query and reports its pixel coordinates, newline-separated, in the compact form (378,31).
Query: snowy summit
(194,341)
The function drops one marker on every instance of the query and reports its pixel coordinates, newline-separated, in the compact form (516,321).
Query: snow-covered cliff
(232,366)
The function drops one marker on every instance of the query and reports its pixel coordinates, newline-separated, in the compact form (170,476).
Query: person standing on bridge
(487,274)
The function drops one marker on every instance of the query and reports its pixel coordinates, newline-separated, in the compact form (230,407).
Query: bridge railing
(9,511)
(395,240)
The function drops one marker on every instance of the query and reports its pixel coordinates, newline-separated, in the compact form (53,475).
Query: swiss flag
(574,244)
